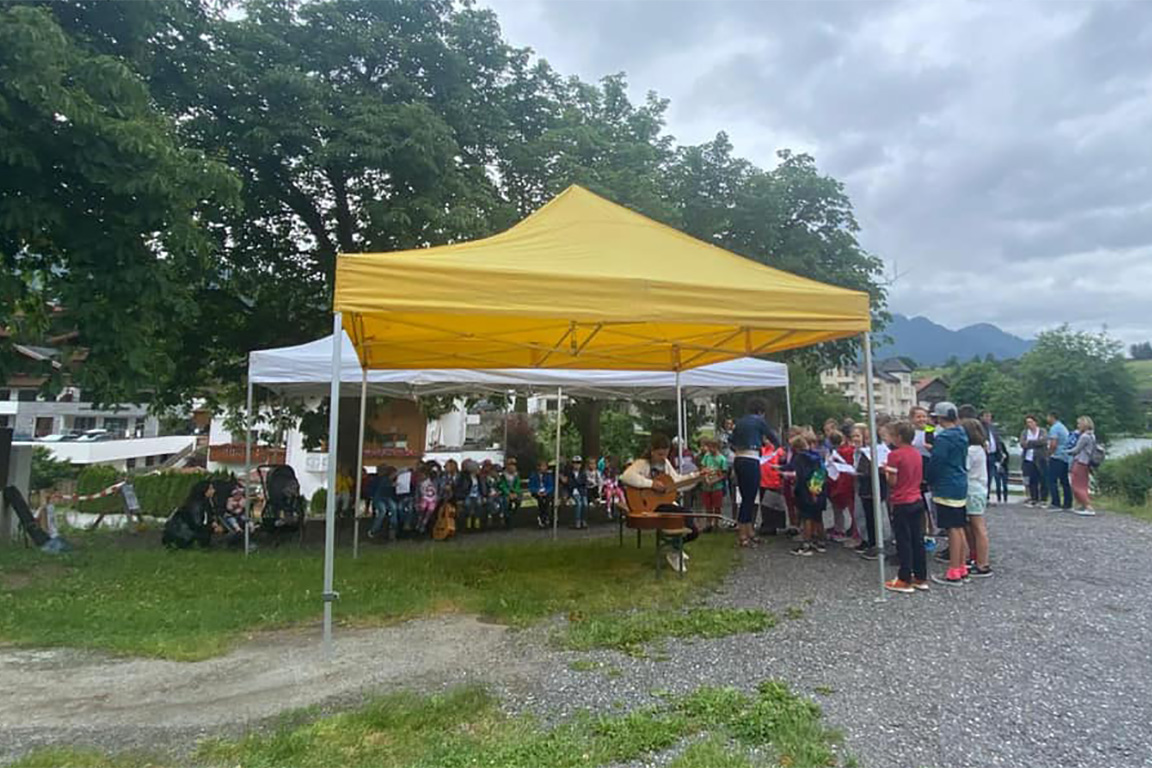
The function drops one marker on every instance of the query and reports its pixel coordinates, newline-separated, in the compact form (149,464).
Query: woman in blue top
(749,434)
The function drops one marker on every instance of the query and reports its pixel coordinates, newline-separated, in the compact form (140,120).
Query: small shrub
(1128,479)
(318,502)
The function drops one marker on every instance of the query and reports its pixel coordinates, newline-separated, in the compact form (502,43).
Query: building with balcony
(892,385)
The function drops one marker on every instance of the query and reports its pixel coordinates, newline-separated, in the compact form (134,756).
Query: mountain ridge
(929,343)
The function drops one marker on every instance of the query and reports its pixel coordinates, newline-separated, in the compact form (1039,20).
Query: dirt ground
(82,697)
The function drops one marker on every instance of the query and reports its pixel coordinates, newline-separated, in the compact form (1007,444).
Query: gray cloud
(997,153)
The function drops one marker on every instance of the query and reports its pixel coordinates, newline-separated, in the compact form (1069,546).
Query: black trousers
(1035,480)
(870,519)
(748,480)
(908,525)
(689,522)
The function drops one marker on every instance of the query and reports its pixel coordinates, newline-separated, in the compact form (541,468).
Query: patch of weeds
(466,727)
(824,690)
(629,632)
(612,673)
(86,758)
(583,665)
(712,753)
(793,612)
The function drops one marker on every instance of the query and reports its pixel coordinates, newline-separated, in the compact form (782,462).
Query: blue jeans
(1057,479)
(473,506)
(579,504)
(385,510)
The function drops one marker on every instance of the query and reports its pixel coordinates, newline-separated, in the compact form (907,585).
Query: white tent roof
(305,371)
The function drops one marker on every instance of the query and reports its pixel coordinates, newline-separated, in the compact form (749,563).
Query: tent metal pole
(328,595)
(359,465)
(507,410)
(556,476)
(788,399)
(873,455)
(247,465)
(679,425)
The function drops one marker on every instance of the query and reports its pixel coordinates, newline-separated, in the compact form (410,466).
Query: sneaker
(820,547)
(871,553)
(981,573)
(836,535)
(951,579)
(896,585)
(920,584)
(942,555)
(863,547)
(804,550)
(853,544)
(1086,512)
(674,560)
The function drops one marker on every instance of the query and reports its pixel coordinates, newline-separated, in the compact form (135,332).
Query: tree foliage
(182,179)
(1070,372)
(1141,351)
(47,471)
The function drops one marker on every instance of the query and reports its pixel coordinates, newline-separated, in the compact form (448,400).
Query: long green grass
(466,727)
(187,605)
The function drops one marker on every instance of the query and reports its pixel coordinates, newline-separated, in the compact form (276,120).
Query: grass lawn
(713,727)
(143,600)
(1142,372)
(1110,504)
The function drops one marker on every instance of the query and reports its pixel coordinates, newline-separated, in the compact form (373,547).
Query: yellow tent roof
(582,283)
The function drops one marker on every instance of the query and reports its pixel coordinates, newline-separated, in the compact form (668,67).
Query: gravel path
(1049,663)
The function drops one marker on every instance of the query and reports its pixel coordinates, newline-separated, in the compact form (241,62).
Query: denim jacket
(947,466)
(750,433)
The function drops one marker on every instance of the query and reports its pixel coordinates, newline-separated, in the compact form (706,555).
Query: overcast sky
(997,153)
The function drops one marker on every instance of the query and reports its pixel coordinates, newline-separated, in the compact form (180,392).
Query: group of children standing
(931,475)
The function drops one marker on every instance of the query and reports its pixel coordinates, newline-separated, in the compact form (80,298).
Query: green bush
(158,494)
(318,502)
(1128,479)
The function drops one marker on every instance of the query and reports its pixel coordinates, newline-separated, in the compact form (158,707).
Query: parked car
(95,435)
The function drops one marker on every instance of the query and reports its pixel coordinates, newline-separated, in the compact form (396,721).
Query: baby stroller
(283,505)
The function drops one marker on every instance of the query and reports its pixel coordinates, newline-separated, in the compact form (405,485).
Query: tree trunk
(586,417)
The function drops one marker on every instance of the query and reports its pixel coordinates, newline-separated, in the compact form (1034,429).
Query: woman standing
(1033,441)
(748,437)
(1082,464)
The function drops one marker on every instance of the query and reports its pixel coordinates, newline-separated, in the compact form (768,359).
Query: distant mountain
(931,344)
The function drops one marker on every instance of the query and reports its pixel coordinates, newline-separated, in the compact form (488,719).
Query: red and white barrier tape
(99,494)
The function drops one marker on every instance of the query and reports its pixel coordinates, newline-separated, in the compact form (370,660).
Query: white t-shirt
(977,465)
(404,482)
(1032,434)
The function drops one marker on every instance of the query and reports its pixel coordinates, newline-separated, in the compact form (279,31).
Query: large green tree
(1079,373)
(102,208)
(182,178)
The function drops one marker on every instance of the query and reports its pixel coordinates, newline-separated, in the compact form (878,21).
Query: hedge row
(158,494)
(1129,478)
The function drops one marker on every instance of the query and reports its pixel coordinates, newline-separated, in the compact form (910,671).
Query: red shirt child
(904,486)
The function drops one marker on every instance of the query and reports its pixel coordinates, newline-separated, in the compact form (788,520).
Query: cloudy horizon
(995,152)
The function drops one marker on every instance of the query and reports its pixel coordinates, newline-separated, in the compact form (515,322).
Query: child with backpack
(510,489)
(811,492)
(842,490)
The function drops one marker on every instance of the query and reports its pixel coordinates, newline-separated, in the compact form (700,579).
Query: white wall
(115,453)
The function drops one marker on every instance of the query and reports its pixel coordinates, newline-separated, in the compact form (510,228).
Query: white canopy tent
(305,370)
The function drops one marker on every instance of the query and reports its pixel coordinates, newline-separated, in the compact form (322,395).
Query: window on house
(84,423)
(130,463)
(117,426)
(5,395)
(26,395)
(44,425)
(149,460)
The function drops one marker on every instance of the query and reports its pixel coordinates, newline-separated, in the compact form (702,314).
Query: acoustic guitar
(644,501)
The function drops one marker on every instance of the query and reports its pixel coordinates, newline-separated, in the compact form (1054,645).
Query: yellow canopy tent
(581,283)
